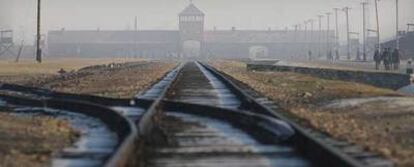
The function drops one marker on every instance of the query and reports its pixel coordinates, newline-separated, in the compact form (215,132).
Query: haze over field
(162,14)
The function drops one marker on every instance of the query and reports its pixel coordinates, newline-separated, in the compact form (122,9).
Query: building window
(191,18)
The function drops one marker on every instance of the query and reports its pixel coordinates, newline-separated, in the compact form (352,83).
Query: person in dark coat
(310,55)
(329,56)
(386,59)
(337,54)
(390,61)
(409,67)
(358,55)
(377,59)
(396,59)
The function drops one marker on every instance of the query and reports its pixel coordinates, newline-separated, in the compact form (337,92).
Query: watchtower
(191,27)
(6,42)
(6,36)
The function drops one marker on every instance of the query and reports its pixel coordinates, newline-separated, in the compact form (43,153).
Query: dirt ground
(31,141)
(379,119)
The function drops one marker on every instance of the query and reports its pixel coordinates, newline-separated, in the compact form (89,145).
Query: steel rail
(252,112)
(264,129)
(123,127)
(314,148)
(45,93)
(146,123)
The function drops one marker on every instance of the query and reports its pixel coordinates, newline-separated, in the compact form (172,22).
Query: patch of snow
(407,89)
(2,103)
(354,102)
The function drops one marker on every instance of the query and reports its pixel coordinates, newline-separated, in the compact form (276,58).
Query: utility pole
(311,41)
(320,35)
(346,10)
(295,36)
(136,23)
(306,38)
(328,41)
(336,33)
(364,31)
(300,39)
(378,27)
(397,40)
(38,36)
(135,36)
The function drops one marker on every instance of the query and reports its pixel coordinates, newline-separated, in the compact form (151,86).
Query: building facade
(190,40)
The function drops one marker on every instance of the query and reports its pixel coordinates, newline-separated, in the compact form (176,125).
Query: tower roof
(191,10)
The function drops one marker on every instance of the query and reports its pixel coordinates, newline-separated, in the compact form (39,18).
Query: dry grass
(117,83)
(30,141)
(51,66)
(297,89)
(383,127)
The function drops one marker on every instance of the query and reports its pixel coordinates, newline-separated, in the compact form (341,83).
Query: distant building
(406,45)
(191,40)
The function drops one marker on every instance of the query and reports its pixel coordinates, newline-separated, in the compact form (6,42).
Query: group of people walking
(390,59)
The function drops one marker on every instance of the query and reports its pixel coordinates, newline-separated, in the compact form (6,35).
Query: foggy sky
(162,14)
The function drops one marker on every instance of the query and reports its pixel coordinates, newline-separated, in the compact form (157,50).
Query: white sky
(162,14)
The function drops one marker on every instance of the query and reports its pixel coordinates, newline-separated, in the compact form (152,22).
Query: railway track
(197,116)
(105,135)
(108,126)
(206,119)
